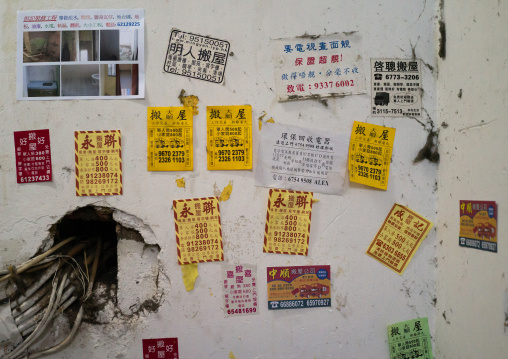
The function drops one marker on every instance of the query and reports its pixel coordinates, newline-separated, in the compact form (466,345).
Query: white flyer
(301,159)
(396,87)
(80,54)
(318,66)
(240,289)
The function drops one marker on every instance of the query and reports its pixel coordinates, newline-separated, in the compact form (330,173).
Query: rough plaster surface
(366,296)
(473,102)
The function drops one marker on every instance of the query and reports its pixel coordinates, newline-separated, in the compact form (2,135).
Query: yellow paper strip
(189,275)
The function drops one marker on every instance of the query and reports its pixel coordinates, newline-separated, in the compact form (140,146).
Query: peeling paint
(180,182)
(189,275)
(189,101)
(226,192)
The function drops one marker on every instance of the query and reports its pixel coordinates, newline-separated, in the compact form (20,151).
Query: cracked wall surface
(366,296)
(472,105)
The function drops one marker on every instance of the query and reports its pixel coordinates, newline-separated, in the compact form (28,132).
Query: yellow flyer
(399,238)
(288,222)
(229,137)
(169,139)
(98,157)
(198,230)
(370,152)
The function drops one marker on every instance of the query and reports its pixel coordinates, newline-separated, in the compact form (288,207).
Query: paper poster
(318,66)
(170,146)
(229,137)
(301,159)
(196,56)
(478,225)
(399,237)
(240,289)
(166,348)
(396,87)
(98,156)
(198,230)
(370,154)
(80,54)
(410,339)
(33,156)
(293,287)
(287,226)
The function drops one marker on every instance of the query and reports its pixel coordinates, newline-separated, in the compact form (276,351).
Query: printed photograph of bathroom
(119,45)
(80,45)
(43,46)
(41,81)
(80,80)
(119,79)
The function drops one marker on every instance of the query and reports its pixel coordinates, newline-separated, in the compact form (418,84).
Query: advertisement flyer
(478,225)
(240,289)
(399,237)
(410,339)
(318,66)
(229,137)
(80,54)
(196,56)
(294,287)
(98,156)
(198,230)
(33,156)
(166,348)
(170,145)
(370,154)
(288,217)
(396,87)
(301,159)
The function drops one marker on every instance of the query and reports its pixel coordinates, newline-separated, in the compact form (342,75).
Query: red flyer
(33,156)
(166,348)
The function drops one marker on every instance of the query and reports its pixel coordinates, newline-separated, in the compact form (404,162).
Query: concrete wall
(366,296)
(472,98)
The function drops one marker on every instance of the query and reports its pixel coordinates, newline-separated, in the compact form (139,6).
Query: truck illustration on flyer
(298,287)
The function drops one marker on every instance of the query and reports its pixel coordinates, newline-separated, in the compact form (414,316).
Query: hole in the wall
(110,242)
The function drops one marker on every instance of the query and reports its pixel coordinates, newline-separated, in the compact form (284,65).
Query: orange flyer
(399,237)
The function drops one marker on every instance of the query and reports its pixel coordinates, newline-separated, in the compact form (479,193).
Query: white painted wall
(471,283)
(366,296)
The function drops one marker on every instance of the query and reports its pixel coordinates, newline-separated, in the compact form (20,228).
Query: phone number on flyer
(308,303)
(242,310)
(34,178)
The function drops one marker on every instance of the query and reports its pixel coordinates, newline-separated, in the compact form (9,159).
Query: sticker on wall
(370,153)
(160,348)
(80,54)
(240,289)
(198,230)
(294,287)
(229,137)
(301,159)
(410,339)
(288,217)
(399,237)
(33,156)
(318,66)
(396,87)
(196,56)
(170,144)
(98,156)
(478,225)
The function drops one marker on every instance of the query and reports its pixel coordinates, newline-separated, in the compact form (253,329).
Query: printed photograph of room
(41,46)
(119,79)
(119,45)
(82,45)
(41,81)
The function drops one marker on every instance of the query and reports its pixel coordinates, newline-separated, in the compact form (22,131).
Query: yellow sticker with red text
(98,159)
(370,153)
(198,230)
(399,238)
(288,217)
(229,137)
